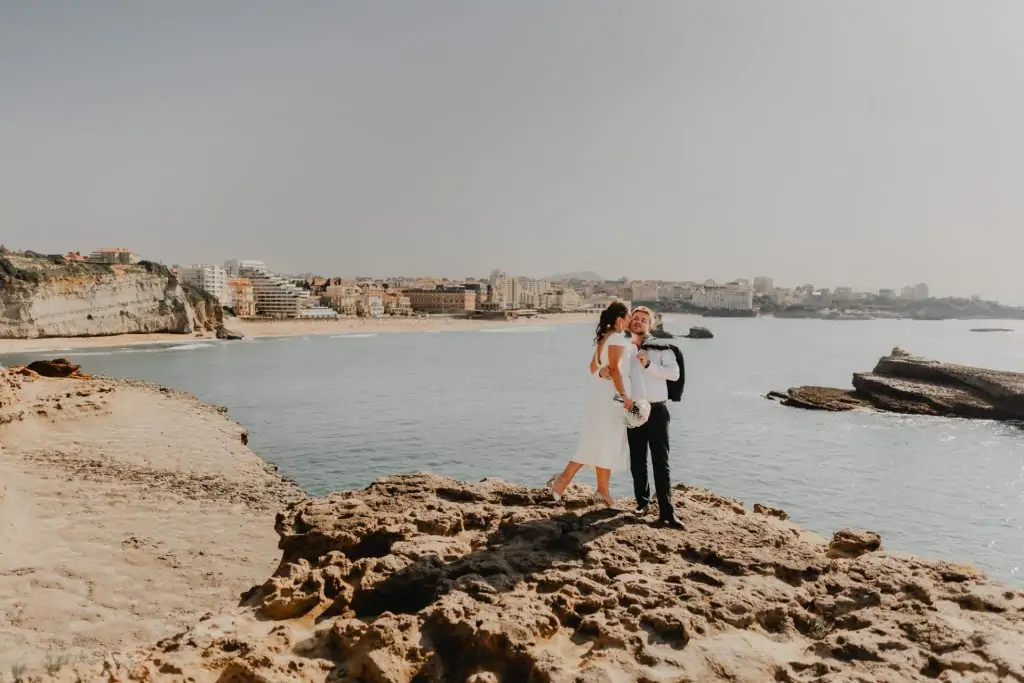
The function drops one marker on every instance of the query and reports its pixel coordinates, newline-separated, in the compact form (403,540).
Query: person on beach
(654,367)
(603,442)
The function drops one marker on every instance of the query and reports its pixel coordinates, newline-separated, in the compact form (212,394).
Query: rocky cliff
(48,297)
(901,383)
(423,579)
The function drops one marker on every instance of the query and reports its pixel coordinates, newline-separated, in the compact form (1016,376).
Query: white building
(642,290)
(234,267)
(276,296)
(734,296)
(116,256)
(509,292)
(210,278)
(566,299)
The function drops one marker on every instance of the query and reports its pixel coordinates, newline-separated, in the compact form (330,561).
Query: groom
(648,374)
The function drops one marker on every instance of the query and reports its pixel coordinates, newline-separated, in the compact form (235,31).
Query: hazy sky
(869,143)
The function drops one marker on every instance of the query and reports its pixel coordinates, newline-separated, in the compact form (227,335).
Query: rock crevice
(424,579)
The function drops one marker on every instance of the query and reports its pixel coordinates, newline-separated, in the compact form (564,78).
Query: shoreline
(257,329)
(126,511)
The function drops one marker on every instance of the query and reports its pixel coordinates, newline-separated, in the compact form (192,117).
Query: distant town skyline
(867,144)
(564,275)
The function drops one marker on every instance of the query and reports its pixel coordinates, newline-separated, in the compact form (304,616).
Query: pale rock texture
(901,383)
(424,579)
(76,301)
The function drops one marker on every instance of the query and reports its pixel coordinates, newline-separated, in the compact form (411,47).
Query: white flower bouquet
(637,417)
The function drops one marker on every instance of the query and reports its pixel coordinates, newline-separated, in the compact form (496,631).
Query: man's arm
(662,364)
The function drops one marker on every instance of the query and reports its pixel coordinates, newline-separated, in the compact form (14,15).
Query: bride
(603,442)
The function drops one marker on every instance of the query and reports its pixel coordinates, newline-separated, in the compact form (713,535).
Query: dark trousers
(653,434)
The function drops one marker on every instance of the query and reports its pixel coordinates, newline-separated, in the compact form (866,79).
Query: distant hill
(585,275)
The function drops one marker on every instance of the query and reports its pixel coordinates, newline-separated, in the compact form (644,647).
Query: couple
(625,370)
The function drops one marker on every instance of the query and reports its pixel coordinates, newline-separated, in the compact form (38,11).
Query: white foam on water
(184,347)
(368,335)
(515,330)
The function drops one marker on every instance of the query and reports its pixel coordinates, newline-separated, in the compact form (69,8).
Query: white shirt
(649,383)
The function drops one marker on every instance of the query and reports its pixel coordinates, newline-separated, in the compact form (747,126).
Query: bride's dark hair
(615,310)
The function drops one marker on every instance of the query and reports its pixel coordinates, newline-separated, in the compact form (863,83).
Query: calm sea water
(336,412)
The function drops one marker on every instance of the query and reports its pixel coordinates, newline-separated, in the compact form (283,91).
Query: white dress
(603,440)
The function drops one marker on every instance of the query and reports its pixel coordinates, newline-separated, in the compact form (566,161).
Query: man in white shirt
(648,374)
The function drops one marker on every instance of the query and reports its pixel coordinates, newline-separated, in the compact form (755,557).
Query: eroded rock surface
(58,367)
(901,383)
(425,579)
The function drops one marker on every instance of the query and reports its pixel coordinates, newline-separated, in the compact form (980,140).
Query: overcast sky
(869,143)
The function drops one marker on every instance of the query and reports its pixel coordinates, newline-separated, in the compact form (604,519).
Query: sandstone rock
(901,383)
(770,511)
(58,367)
(225,333)
(698,332)
(853,543)
(424,579)
(40,297)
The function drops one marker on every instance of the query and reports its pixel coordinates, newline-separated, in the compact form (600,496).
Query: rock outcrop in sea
(698,332)
(901,383)
(424,579)
(50,297)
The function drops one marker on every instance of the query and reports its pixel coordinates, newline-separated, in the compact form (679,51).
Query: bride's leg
(565,478)
(604,477)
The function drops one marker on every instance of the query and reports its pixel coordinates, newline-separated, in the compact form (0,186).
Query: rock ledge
(425,579)
(901,383)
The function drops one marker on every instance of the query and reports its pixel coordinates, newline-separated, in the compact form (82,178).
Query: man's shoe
(672,523)
(642,510)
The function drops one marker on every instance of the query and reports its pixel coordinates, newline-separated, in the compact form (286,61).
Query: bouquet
(637,417)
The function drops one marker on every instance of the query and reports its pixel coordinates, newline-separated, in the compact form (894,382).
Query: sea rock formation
(901,383)
(43,297)
(58,367)
(425,579)
(698,332)
(228,334)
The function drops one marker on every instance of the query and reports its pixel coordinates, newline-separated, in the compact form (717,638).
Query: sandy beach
(289,328)
(126,512)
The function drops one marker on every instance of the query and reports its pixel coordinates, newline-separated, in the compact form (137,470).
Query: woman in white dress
(603,441)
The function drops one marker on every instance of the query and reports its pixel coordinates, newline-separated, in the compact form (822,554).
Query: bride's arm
(614,356)
(593,361)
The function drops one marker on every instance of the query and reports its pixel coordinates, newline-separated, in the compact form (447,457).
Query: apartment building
(275,295)
(733,296)
(210,278)
(642,290)
(442,299)
(397,303)
(343,298)
(116,256)
(241,297)
(566,299)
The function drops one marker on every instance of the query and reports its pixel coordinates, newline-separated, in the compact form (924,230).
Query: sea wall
(39,298)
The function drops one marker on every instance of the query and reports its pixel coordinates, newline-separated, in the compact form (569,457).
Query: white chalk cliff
(42,297)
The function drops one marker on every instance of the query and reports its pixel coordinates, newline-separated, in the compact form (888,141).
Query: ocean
(335,412)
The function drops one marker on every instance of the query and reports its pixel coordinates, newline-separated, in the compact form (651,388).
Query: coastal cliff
(49,297)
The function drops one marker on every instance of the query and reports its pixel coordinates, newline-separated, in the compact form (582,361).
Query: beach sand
(289,328)
(126,512)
